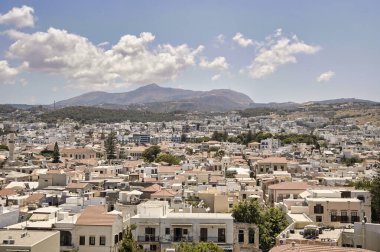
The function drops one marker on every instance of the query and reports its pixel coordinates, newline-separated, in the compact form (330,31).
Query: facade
(158,228)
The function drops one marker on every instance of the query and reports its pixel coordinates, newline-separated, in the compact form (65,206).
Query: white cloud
(219,63)
(241,41)
(87,66)
(215,77)
(7,73)
(275,51)
(20,17)
(325,77)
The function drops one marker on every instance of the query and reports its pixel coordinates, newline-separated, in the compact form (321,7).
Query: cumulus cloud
(241,41)
(325,77)
(85,65)
(7,73)
(219,63)
(275,51)
(19,17)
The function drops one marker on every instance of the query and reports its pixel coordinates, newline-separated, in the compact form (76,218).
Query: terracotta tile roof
(96,216)
(313,248)
(34,198)
(273,160)
(7,192)
(152,188)
(168,169)
(76,185)
(164,193)
(290,186)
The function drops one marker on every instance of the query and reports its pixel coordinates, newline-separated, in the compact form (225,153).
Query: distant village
(70,186)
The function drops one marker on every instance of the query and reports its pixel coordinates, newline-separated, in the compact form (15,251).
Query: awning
(182,225)
(212,224)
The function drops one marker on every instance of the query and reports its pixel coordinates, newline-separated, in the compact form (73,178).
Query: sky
(272,51)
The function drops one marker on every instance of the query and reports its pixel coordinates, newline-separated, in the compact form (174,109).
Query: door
(204,235)
(177,234)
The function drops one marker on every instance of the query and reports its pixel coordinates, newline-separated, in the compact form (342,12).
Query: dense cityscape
(189,126)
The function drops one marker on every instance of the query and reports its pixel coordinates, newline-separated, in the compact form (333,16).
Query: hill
(163,99)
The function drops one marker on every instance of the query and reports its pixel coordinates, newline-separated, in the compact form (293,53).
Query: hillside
(163,99)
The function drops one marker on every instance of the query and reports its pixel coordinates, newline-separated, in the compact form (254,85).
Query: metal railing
(148,238)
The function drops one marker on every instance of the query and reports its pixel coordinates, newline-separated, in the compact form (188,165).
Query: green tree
(375,195)
(270,221)
(56,154)
(151,153)
(168,158)
(128,244)
(110,145)
(183,138)
(4,147)
(198,247)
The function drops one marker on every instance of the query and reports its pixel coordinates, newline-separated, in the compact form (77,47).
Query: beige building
(285,190)
(97,230)
(271,164)
(29,240)
(215,200)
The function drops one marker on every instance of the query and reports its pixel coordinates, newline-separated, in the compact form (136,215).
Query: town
(224,181)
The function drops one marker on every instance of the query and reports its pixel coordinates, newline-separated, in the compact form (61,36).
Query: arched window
(65,238)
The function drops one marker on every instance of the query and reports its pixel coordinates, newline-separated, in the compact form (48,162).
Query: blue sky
(273,51)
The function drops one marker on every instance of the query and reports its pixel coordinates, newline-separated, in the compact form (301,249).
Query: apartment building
(271,164)
(158,228)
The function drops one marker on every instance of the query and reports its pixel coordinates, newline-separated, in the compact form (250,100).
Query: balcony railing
(148,238)
(345,219)
(218,239)
(182,238)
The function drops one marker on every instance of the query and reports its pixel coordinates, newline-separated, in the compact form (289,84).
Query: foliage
(47,153)
(271,221)
(56,154)
(5,108)
(102,115)
(168,158)
(362,184)
(350,161)
(252,112)
(4,147)
(110,145)
(198,247)
(183,138)
(375,195)
(189,151)
(128,244)
(151,153)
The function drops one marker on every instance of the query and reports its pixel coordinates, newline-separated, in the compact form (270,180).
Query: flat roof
(25,237)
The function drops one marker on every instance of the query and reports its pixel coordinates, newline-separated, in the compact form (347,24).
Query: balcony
(218,239)
(148,238)
(182,238)
(343,219)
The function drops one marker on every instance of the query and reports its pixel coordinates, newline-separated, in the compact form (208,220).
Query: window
(167,231)
(275,167)
(318,209)
(221,235)
(318,218)
(251,235)
(82,240)
(334,217)
(241,236)
(116,239)
(185,231)
(153,247)
(102,241)
(204,235)
(92,240)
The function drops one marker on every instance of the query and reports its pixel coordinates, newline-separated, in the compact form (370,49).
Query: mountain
(343,100)
(163,99)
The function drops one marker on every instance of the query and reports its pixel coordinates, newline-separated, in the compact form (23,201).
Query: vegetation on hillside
(101,115)
(198,247)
